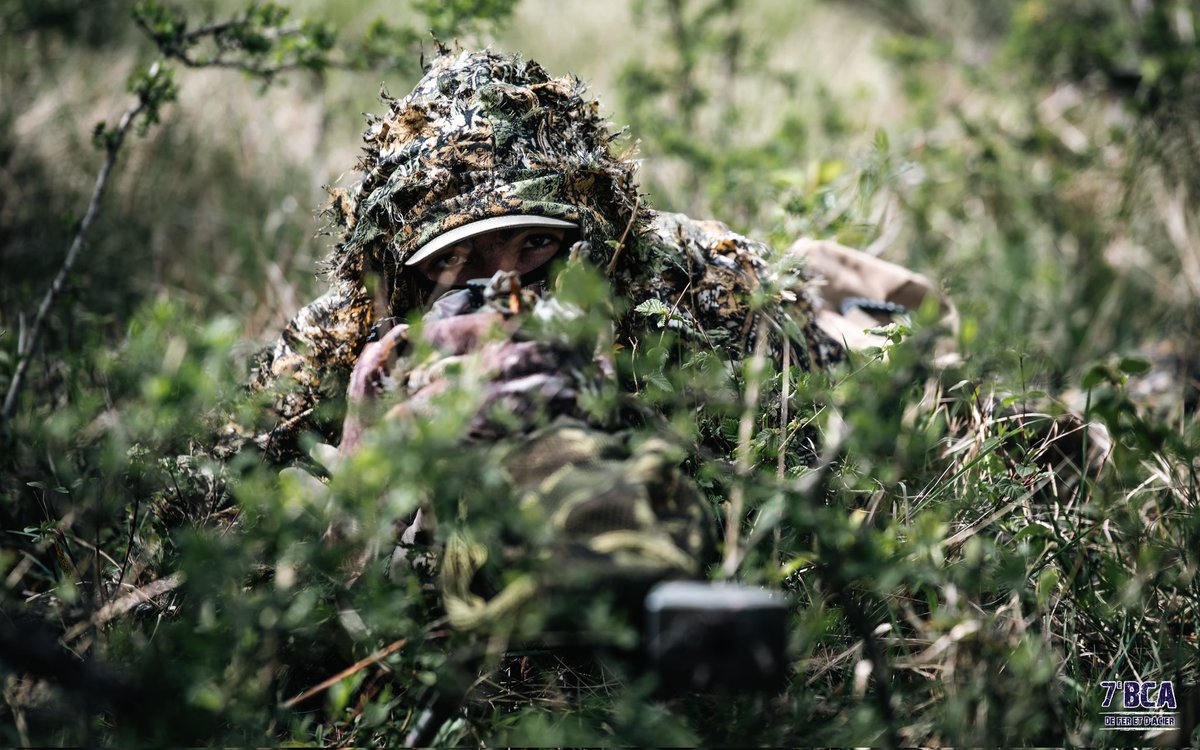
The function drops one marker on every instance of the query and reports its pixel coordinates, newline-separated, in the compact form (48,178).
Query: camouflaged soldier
(491,169)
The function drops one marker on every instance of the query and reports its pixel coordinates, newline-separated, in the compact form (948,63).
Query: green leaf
(1101,372)
(653,307)
(659,381)
(1031,531)
(1133,365)
(1047,584)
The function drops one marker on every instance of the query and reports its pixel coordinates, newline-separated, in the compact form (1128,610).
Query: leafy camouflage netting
(485,134)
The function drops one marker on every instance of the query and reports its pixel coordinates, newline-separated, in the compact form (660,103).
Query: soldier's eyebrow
(507,235)
(502,235)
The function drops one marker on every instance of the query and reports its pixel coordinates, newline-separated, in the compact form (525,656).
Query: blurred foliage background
(1038,159)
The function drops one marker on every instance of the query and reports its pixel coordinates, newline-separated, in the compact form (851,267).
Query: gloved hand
(528,382)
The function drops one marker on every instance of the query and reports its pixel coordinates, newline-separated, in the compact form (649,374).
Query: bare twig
(230,53)
(963,535)
(612,264)
(95,549)
(118,607)
(14,705)
(176,46)
(357,666)
(217,30)
(264,71)
(112,147)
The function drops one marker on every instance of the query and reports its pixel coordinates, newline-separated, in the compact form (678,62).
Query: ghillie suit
(486,135)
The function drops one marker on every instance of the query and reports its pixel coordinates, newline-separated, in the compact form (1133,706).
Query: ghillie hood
(482,135)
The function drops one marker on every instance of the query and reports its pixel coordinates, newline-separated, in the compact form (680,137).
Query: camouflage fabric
(485,134)
(619,517)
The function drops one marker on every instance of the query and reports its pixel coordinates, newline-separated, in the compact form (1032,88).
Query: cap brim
(483,226)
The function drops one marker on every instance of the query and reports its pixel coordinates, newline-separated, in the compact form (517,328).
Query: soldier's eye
(539,240)
(450,261)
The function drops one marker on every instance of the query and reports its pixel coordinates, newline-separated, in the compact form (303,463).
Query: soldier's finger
(376,359)
(463,333)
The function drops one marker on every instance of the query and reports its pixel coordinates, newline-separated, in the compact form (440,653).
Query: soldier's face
(523,250)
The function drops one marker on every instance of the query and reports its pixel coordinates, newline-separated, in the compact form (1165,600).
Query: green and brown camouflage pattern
(486,134)
(621,517)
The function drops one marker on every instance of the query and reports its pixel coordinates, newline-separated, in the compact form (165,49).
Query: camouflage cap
(482,135)
(447,240)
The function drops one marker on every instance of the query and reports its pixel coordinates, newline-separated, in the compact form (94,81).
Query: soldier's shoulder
(708,237)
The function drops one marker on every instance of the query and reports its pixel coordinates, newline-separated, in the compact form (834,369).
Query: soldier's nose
(501,258)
